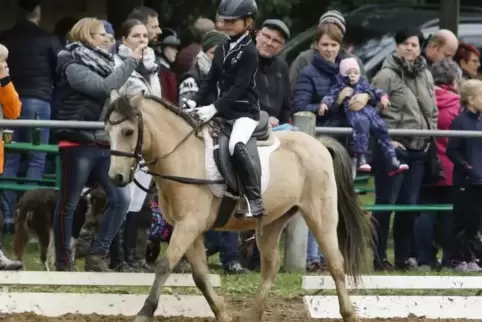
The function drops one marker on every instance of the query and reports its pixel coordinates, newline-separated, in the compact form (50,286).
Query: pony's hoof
(143,318)
(225,319)
(353,318)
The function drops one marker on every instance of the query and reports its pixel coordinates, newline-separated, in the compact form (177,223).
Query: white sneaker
(9,265)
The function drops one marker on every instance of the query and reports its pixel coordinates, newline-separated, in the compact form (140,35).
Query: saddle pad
(213,173)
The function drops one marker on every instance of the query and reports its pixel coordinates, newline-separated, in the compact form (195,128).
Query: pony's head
(125,126)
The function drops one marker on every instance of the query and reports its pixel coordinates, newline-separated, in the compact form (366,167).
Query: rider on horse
(234,69)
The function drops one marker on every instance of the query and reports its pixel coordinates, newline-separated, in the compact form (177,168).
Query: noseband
(137,155)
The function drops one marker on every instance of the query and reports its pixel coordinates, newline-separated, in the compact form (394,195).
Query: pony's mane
(123,106)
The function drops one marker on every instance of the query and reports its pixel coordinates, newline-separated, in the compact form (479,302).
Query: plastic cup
(7,136)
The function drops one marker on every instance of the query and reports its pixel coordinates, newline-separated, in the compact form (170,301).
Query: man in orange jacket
(11,106)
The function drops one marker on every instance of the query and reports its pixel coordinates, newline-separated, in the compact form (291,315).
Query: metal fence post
(296,233)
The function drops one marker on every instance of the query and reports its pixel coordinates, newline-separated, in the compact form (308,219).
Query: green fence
(24,184)
(363,186)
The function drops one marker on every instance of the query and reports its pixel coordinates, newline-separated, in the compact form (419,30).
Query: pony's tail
(355,230)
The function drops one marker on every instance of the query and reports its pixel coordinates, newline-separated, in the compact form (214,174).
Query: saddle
(231,202)
(222,157)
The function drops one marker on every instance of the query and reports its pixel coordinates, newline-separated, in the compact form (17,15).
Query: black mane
(123,106)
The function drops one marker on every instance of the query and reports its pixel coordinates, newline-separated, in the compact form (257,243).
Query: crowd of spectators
(426,84)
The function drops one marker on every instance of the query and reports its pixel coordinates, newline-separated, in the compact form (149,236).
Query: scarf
(204,62)
(93,57)
(411,68)
(148,64)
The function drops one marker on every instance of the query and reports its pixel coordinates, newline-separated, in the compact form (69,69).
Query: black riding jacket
(234,69)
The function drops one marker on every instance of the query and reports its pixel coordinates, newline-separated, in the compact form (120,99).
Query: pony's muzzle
(118,179)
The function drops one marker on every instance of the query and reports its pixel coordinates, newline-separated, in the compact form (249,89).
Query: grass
(287,285)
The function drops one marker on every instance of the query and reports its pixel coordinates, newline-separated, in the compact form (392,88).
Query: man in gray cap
(273,85)
(272,79)
(306,57)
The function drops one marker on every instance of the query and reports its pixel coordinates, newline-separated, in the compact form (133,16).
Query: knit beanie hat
(334,17)
(108,27)
(213,38)
(347,64)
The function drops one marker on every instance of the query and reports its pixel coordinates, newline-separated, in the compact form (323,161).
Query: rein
(137,155)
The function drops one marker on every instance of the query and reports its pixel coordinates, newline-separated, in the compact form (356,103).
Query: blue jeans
(227,242)
(432,228)
(401,189)
(78,165)
(36,160)
(313,254)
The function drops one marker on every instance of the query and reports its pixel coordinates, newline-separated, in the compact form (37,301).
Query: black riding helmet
(236,9)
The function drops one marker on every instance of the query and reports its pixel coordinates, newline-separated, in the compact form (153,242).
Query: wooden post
(449,15)
(296,234)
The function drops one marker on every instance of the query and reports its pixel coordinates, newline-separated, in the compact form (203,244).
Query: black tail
(355,230)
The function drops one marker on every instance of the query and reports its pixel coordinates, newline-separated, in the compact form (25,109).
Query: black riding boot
(249,179)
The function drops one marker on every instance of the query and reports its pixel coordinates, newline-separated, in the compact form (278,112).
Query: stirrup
(249,213)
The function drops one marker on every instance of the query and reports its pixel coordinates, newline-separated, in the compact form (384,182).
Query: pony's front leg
(268,244)
(196,255)
(183,236)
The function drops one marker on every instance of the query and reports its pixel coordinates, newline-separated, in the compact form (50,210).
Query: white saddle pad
(213,173)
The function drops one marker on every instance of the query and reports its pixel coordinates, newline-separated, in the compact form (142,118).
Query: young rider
(234,69)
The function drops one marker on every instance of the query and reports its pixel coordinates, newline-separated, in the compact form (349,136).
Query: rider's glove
(205,113)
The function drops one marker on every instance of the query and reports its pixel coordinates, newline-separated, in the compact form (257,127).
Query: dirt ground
(278,310)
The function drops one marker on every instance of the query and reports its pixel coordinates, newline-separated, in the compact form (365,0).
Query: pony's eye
(128,132)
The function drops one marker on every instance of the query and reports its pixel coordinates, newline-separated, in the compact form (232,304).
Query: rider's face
(137,36)
(234,27)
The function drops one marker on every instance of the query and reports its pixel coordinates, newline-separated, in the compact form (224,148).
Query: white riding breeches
(243,129)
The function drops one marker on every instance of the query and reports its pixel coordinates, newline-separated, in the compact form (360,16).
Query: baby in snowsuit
(364,121)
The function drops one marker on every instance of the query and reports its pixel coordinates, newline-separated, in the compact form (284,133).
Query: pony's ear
(136,100)
(114,94)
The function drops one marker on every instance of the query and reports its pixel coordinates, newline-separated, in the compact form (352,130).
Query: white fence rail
(378,307)
(56,304)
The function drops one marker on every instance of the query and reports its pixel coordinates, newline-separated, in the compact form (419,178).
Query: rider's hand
(273,121)
(205,113)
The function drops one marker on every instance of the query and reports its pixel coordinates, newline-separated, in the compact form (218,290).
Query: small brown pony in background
(308,175)
(35,215)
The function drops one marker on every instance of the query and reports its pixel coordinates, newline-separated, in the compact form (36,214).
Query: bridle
(137,155)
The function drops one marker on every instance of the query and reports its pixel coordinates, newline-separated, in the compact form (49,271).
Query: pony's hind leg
(183,235)
(325,232)
(268,244)
(196,255)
